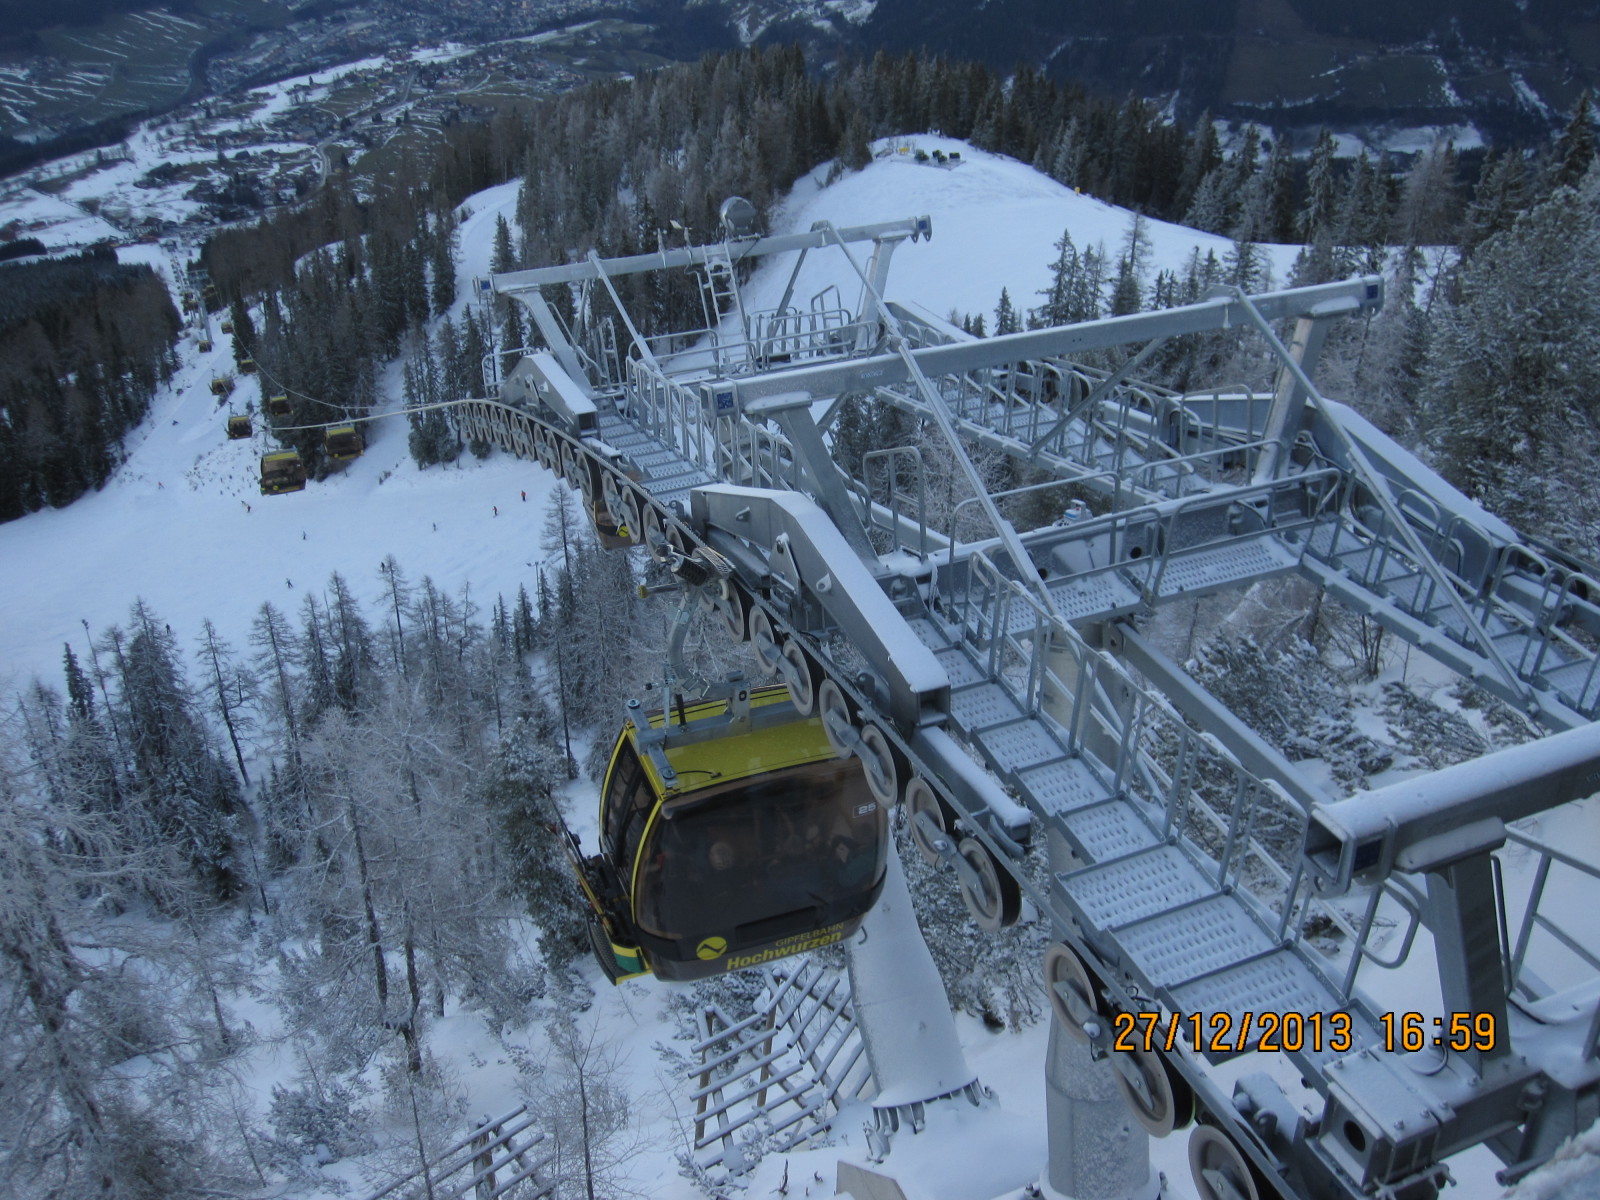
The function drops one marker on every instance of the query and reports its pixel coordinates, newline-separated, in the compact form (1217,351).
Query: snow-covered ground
(995,225)
(182,525)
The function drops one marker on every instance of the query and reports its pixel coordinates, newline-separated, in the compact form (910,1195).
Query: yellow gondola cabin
(723,849)
(282,471)
(343,442)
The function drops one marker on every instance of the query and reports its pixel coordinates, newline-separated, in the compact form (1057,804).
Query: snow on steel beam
(1413,824)
(687,256)
(1363,294)
(830,572)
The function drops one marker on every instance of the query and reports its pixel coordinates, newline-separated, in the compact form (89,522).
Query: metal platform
(1187,870)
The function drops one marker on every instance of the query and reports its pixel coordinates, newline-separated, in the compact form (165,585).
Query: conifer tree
(1005,316)
(1514,370)
(187,795)
(1576,147)
(229,687)
(1318,213)
(442,264)
(527,765)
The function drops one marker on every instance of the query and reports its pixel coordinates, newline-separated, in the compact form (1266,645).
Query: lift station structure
(994,680)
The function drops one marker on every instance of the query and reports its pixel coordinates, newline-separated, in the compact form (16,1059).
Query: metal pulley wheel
(1219,1168)
(921,798)
(800,677)
(730,605)
(1160,1098)
(881,763)
(765,641)
(610,494)
(1065,970)
(657,542)
(996,901)
(834,709)
(631,517)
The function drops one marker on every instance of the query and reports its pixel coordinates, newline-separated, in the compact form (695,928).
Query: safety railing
(1541,615)
(1244,832)
(1139,543)
(800,335)
(1156,451)
(1543,994)
(1226,412)
(754,455)
(895,505)
(669,411)
(731,446)
(775,339)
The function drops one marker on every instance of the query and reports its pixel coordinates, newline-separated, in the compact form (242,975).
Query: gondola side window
(627,808)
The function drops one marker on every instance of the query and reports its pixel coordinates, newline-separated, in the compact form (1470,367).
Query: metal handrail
(1531,915)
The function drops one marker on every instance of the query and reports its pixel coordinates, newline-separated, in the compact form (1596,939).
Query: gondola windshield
(779,853)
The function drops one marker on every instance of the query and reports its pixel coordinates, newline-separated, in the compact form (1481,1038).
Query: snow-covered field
(995,225)
(182,525)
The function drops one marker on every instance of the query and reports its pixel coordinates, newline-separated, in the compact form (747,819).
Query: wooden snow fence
(782,1073)
(499,1158)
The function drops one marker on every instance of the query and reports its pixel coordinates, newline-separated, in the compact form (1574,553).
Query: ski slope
(181,525)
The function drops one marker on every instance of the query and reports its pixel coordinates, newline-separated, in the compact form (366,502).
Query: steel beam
(511,282)
(1364,294)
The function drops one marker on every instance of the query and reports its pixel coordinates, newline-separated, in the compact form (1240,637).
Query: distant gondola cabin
(282,471)
(227,327)
(277,406)
(239,427)
(247,365)
(221,385)
(758,845)
(343,442)
(205,345)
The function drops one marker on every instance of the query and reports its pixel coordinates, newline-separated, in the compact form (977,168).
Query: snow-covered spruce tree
(1127,292)
(314,1122)
(442,262)
(83,992)
(1501,195)
(1377,364)
(528,764)
(1005,315)
(1512,384)
(1077,282)
(180,784)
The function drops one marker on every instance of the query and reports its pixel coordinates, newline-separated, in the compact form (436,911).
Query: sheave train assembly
(997,685)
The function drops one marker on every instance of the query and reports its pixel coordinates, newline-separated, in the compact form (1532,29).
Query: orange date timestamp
(1225,1033)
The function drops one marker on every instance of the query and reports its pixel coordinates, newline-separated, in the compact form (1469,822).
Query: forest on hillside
(613,165)
(84,343)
